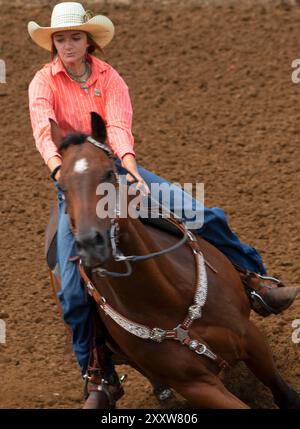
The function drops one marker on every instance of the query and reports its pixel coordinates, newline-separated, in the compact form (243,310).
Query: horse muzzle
(93,247)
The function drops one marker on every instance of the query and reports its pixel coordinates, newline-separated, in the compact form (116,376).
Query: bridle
(115,228)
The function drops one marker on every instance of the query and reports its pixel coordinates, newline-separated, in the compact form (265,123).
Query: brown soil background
(213,102)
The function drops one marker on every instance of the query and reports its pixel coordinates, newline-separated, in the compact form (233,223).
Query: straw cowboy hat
(72,16)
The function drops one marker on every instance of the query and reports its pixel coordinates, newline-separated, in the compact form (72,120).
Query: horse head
(87,163)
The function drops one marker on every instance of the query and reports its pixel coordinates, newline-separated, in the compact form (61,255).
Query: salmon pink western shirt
(53,94)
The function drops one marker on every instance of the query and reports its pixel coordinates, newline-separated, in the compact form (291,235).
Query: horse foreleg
(210,394)
(260,361)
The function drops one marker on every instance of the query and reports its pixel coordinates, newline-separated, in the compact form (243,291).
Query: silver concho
(157,335)
(195,312)
(193,344)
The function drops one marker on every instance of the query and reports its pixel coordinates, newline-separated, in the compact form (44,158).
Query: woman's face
(71,45)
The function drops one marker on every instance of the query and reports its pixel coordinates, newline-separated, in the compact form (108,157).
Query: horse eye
(109,176)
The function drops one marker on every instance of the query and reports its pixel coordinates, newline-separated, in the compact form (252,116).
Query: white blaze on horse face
(81,166)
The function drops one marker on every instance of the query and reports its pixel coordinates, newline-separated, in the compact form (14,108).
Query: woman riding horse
(66,90)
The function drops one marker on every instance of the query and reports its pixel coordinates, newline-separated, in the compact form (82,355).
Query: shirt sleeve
(41,109)
(118,112)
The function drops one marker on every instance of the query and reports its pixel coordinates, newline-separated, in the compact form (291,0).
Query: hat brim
(100,27)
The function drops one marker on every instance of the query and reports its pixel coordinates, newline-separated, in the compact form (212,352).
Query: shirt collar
(57,66)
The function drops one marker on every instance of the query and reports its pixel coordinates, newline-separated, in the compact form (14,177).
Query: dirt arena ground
(213,102)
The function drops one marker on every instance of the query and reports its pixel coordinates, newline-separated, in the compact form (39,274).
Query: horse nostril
(89,241)
(92,247)
(99,240)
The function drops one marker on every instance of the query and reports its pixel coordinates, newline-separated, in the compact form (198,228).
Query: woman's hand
(53,163)
(141,184)
(57,176)
(129,162)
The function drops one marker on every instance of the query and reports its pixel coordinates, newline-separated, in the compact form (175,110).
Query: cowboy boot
(264,298)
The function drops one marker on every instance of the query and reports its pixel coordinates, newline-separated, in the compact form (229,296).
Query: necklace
(82,81)
(76,77)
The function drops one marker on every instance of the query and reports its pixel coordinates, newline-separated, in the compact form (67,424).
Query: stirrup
(272,279)
(103,387)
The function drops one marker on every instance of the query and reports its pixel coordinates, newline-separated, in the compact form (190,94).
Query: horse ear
(55,133)
(98,128)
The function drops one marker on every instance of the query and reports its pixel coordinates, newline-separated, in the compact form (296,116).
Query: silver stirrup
(271,279)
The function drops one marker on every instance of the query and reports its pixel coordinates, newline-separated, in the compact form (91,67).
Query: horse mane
(73,139)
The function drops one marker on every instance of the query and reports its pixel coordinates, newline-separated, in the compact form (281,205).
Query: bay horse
(179,313)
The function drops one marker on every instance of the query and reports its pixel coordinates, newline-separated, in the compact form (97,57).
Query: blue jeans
(73,296)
